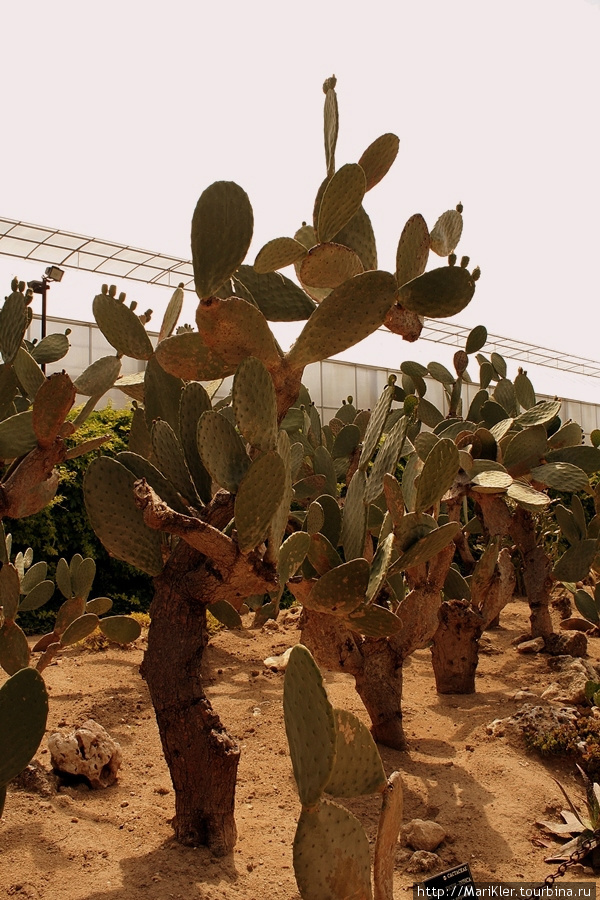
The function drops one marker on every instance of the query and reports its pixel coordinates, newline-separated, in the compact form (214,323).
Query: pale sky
(117,115)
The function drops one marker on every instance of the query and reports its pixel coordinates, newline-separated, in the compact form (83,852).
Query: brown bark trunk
(537,568)
(455,649)
(201,756)
(379,686)
(537,573)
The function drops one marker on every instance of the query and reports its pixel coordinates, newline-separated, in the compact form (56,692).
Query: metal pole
(45,287)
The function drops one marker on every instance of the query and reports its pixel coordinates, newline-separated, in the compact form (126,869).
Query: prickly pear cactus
(332,752)
(23,715)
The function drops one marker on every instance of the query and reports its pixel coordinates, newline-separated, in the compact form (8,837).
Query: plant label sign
(449,885)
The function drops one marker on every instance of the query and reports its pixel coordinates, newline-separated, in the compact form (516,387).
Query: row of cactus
(24,586)
(333,753)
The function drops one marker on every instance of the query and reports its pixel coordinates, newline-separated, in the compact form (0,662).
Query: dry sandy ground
(117,843)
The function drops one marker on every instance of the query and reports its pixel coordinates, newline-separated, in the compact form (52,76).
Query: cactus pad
(413,250)
(341,590)
(99,377)
(446,232)
(438,293)
(171,461)
(172,313)
(52,403)
(14,320)
(120,629)
(350,313)
(378,158)
(309,725)
(23,714)
(234,329)
(222,227)
(258,497)
(587,458)
(14,648)
(50,349)
(329,265)
(277,254)
(354,520)
(292,554)
(438,474)
(194,402)
(357,769)
(527,497)
(186,356)
(255,404)
(28,372)
(561,476)
(359,236)
(341,199)
(79,629)
(108,492)
(221,450)
(574,564)
(278,298)
(121,327)
(331,855)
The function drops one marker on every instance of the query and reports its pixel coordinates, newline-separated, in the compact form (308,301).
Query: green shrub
(62,529)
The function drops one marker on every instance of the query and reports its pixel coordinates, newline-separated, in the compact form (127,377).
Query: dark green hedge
(62,529)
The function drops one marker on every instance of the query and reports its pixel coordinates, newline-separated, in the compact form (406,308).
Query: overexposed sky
(117,115)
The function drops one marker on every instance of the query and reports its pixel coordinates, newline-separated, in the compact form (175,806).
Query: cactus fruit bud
(459,207)
(105,289)
(452,259)
(133,305)
(392,379)
(14,284)
(476,273)
(122,297)
(112,291)
(21,287)
(464,262)
(329,84)
(180,285)
(28,296)
(350,399)
(67,332)
(410,404)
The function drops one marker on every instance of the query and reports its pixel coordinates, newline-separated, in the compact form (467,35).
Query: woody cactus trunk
(202,498)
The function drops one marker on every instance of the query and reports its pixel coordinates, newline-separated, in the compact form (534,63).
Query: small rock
(278,662)
(524,695)
(423,834)
(271,625)
(533,646)
(422,861)
(552,692)
(573,643)
(89,752)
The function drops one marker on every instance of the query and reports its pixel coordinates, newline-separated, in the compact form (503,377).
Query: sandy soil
(103,845)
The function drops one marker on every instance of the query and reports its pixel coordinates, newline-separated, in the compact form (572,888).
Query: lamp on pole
(52,273)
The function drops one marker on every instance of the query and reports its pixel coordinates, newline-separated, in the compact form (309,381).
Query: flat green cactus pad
(570,435)
(172,313)
(309,725)
(387,459)
(277,254)
(525,450)
(10,591)
(358,234)
(379,566)
(255,404)
(99,377)
(120,629)
(292,554)
(413,250)
(446,232)
(438,474)
(341,199)
(28,372)
(354,519)
(341,590)
(278,298)
(587,458)
(561,476)
(99,605)
(235,328)
(350,313)
(171,460)
(14,649)
(373,621)
(476,339)
(14,320)
(17,436)
(491,481)
(527,497)
(574,564)
(540,414)
(194,402)
(329,265)
(23,714)
(141,468)
(331,855)
(226,614)
(186,356)
(258,497)
(222,227)
(438,293)
(357,768)
(121,327)
(162,395)
(378,158)
(375,425)
(322,555)
(50,349)
(427,547)
(108,493)
(221,450)
(79,629)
